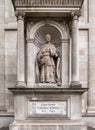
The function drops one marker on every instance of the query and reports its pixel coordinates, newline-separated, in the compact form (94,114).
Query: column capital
(75,15)
(20,15)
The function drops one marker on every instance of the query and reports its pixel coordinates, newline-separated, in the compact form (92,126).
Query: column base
(75,84)
(20,85)
(91,110)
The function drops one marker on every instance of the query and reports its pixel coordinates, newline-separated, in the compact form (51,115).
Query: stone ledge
(53,126)
(48,122)
(48,90)
(88,115)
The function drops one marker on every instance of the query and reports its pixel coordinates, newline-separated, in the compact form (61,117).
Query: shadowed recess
(42,31)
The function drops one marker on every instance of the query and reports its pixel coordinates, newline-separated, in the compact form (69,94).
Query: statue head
(48,37)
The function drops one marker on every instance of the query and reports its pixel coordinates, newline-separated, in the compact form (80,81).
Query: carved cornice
(47,5)
(20,15)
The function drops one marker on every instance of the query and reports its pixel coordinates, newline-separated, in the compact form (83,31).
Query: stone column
(75,51)
(20,50)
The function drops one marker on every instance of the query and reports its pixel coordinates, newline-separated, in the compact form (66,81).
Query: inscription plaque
(47,108)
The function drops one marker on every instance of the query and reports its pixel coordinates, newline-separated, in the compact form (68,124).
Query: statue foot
(58,83)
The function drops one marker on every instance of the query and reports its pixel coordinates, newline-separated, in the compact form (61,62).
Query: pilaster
(30,63)
(65,62)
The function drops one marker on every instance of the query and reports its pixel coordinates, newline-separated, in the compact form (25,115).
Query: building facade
(8,60)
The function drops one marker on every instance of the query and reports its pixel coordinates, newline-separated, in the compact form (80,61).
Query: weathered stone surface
(47,64)
(51,127)
(9,102)
(2,60)
(8,57)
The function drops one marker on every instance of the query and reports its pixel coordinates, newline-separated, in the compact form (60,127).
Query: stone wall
(8,57)
(8,54)
(2,56)
(87,56)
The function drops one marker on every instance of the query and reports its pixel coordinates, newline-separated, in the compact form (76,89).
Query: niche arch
(62,28)
(40,34)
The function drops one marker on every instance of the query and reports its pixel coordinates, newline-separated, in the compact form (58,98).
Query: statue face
(48,37)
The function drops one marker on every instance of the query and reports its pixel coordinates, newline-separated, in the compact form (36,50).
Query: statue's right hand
(41,56)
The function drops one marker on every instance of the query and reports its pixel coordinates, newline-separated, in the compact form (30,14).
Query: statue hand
(56,55)
(41,56)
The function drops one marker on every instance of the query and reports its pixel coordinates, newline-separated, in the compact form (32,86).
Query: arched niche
(40,34)
(59,34)
(62,28)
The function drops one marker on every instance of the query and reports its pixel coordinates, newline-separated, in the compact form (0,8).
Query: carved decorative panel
(48,2)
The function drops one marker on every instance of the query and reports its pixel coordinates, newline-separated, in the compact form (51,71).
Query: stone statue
(48,63)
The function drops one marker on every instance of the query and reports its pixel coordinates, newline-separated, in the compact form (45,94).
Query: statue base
(47,108)
(47,85)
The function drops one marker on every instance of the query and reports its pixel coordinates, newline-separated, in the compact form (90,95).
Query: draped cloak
(48,64)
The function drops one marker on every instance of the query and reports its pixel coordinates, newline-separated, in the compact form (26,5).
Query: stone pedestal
(47,108)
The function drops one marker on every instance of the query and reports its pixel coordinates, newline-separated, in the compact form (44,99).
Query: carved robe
(47,64)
